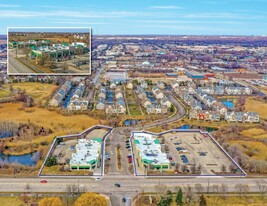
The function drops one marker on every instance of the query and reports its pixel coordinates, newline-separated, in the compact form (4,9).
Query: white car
(98,179)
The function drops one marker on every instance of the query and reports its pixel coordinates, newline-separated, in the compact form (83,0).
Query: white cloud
(79,22)
(71,14)
(165,7)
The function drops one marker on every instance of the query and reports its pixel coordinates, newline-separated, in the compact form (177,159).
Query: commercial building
(59,50)
(87,154)
(194,74)
(148,148)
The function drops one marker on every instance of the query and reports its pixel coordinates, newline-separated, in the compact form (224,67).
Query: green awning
(156,141)
(146,161)
(91,162)
(98,139)
(136,141)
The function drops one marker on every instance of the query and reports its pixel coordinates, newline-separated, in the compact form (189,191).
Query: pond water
(27,159)
(129,122)
(229,104)
(187,126)
(6,134)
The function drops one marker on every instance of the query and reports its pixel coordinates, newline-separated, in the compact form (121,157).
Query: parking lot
(194,148)
(189,153)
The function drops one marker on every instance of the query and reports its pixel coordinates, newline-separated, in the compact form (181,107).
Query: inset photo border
(49,50)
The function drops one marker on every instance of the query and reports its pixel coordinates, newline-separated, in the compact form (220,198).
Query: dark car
(123,199)
(117,185)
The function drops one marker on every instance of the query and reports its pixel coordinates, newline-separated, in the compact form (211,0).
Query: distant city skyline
(154,17)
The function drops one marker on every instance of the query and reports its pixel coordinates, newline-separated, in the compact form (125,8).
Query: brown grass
(38,91)
(59,124)
(256,133)
(256,150)
(256,106)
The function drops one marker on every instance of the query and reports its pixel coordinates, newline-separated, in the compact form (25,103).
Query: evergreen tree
(179,197)
(202,201)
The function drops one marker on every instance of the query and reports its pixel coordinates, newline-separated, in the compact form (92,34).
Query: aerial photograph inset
(64,51)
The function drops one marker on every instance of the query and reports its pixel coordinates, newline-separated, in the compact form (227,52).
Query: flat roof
(150,149)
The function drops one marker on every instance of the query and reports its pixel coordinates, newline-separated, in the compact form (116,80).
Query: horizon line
(236,35)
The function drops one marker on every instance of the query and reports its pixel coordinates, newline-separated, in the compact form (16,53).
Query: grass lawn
(134,109)
(256,133)
(256,106)
(256,150)
(38,91)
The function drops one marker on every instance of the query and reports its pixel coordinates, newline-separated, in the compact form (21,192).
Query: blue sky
(177,17)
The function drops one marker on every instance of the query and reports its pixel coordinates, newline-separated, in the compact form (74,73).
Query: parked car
(43,181)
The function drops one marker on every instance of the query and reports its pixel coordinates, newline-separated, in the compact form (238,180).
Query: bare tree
(193,169)
(190,196)
(223,189)
(208,186)
(262,185)
(215,188)
(223,168)
(242,189)
(161,189)
(199,168)
(199,188)
(65,66)
(184,168)
(72,190)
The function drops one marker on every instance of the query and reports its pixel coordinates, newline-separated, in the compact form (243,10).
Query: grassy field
(256,106)
(18,201)
(235,201)
(58,123)
(256,150)
(38,91)
(11,201)
(4,93)
(218,201)
(255,133)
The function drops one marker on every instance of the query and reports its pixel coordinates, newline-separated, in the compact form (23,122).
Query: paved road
(181,112)
(130,185)
(15,66)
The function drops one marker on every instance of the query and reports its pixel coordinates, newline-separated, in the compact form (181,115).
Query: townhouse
(60,95)
(77,102)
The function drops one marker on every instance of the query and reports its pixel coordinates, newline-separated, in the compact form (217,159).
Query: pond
(129,122)
(188,126)
(27,159)
(6,134)
(229,104)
